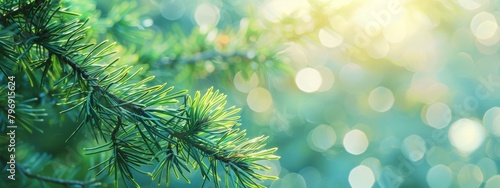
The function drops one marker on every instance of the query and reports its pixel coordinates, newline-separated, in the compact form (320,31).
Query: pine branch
(130,115)
(209,55)
(64,182)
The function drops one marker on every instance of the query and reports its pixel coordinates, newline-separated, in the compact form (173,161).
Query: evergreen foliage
(135,123)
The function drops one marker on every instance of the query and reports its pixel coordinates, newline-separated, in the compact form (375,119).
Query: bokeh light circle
(327,78)
(352,74)
(470,4)
(207,14)
(491,121)
(308,80)
(147,22)
(312,176)
(381,99)
(439,176)
(259,99)
(438,115)
(470,176)
(493,182)
(484,25)
(172,10)
(361,177)
(355,142)
(378,49)
(322,138)
(329,38)
(488,167)
(466,135)
(414,148)
(245,85)
(293,180)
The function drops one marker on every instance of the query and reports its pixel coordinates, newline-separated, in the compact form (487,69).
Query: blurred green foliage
(356,93)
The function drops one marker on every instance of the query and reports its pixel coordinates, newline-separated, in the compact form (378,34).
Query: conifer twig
(208,55)
(29,174)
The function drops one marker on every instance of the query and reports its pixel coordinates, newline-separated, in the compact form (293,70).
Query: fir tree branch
(202,126)
(208,55)
(64,182)
(18,10)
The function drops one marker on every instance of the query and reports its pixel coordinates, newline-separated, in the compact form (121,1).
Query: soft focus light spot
(245,85)
(352,74)
(374,164)
(147,22)
(378,49)
(327,78)
(274,165)
(492,149)
(293,180)
(207,14)
(295,54)
(426,89)
(259,99)
(416,60)
(439,176)
(488,47)
(312,176)
(437,155)
(361,177)
(329,38)
(489,44)
(355,142)
(172,10)
(414,148)
(491,121)
(274,10)
(488,167)
(466,135)
(381,99)
(389,144)
(322,138)
(308,80)
(470,176)
(484,25)
(469,4)
(493,182)
(212,35)
(396,32)
(438,115)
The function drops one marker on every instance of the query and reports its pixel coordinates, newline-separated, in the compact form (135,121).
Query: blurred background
(386,93)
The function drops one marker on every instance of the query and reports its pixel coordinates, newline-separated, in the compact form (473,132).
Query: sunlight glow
(329,38)
(466,135)
(491,121)
(172,10)
(207,14)
(274,10)
(245,85)
(493,182)
(308,80)
(439,176)
(469,4)
(293,180)
(259,99)
(322,138)
(355,142)
(361,177)
(470,176)
(484,25)
(352,74)
(437,115)
(414,148)
(381,99)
